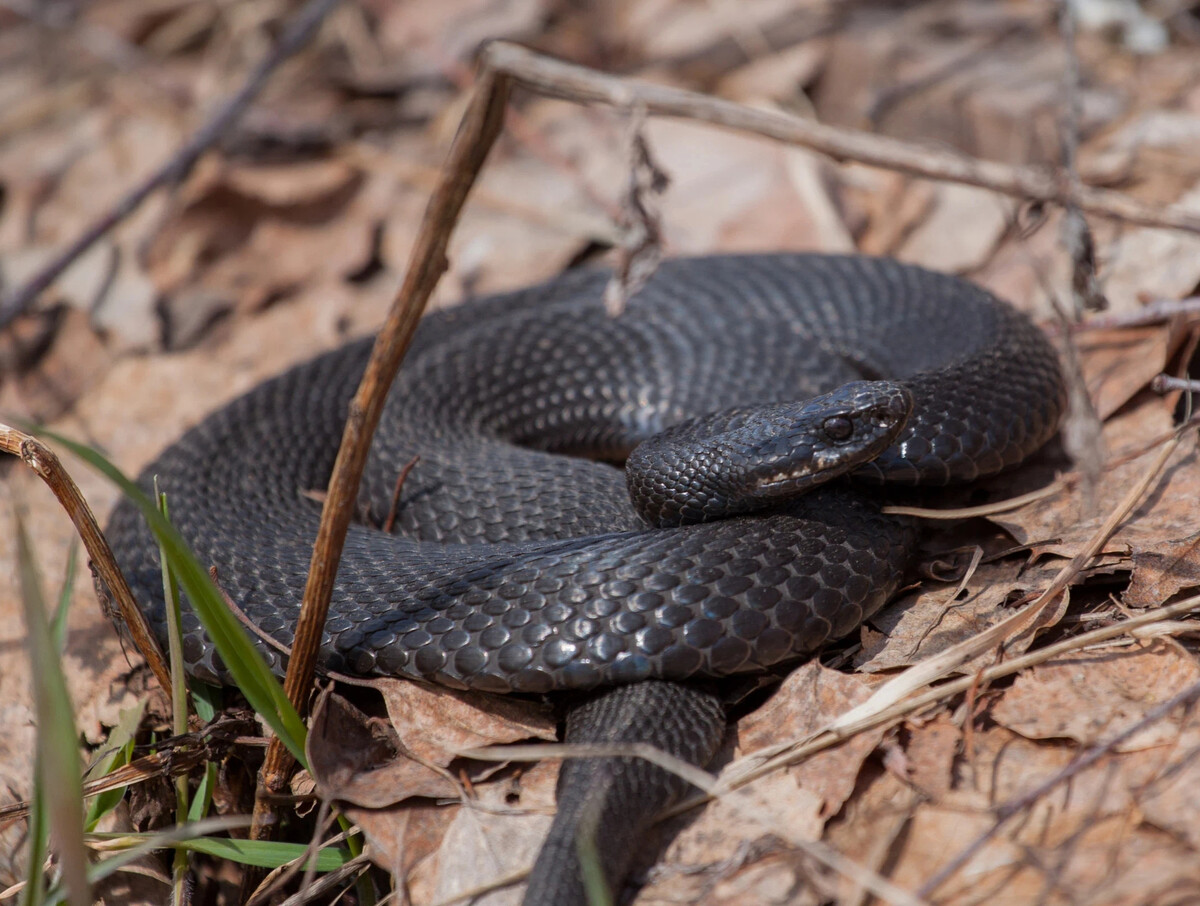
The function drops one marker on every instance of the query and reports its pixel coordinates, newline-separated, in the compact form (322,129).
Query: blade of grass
(260,853)
(268,853)
(207,700)
(34,892)
(58,622)
(595,885)
(179,709)
(202,798)
(57,747)
(179,699)
(117,755)
(148,843)
(243,661)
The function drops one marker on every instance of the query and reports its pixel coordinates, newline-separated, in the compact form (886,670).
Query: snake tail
(606,805)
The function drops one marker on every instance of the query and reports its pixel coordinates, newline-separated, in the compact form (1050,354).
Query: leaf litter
(184,305)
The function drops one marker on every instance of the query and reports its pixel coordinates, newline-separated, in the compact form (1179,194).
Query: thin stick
(46,466)
(985,509)
(293,39)
(1151,313)
(576,83)
(480,126)
(394,509)
(1165,383)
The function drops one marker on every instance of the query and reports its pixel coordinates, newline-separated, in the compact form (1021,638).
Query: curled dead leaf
(357,759)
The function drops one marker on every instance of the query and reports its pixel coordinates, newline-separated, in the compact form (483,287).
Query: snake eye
(838,427)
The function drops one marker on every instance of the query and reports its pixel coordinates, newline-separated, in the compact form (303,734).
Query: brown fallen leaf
(1058,525)
(435,723)
(808,699)
(1161,573)
(930,752)
(960,231)
(935,616)
(1167,790)
(297,190)
(775,77)
(1089,696)
(1155,263)
(497,833)
(362,762)
(870,827)
(359,760)
(1118,364)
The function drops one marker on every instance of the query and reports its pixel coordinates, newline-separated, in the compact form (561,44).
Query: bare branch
(576,83)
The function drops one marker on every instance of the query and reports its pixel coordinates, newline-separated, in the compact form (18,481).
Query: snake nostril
(838,427)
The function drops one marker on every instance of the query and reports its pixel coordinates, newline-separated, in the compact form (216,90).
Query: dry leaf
(358,760)
(808,699)
(1089,696)
(1060,526)
(925,622)
(960,231)
(435,724)
(1118,364)
(1161,573)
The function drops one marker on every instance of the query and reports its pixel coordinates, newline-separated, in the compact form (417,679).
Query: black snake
(515,568)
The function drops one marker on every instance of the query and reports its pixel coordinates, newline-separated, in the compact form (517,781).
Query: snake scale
(515,567)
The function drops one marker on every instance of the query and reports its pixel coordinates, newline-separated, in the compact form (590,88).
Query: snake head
(747,459)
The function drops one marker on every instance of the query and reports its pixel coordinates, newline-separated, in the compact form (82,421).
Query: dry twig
(478,131)
(46,465)
(576,83)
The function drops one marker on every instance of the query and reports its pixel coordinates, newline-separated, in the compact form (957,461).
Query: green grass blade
(267,853)
(595,886)
(245,664)
(192,837)
(57,742)
(143,844)
(117,754)
(202,798)
(206,699)
(34,893)
(179,698)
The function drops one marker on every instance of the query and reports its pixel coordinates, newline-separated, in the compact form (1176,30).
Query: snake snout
(743,460)
(829,435)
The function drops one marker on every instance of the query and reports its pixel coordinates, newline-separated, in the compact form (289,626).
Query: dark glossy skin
(518,569)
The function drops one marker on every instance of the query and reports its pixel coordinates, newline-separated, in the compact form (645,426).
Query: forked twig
(555,78)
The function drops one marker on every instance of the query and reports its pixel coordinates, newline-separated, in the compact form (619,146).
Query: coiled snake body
(515,568)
